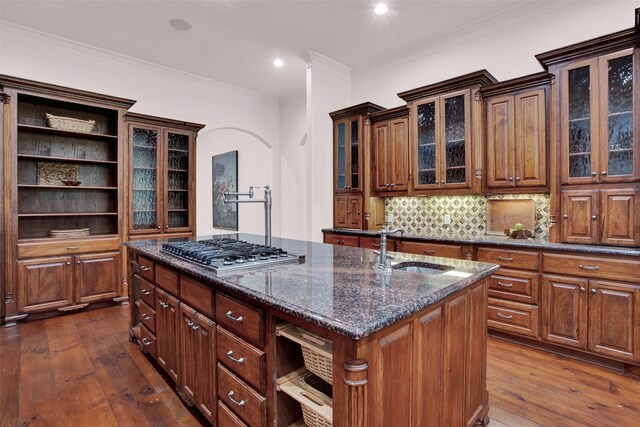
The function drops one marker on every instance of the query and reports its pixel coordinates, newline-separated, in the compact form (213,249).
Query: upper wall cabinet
(516,134)
(390,151)
(445,135)
(161,175)
(597,109)
(353,204)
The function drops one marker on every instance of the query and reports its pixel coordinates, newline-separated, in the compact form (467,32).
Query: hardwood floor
(81,370)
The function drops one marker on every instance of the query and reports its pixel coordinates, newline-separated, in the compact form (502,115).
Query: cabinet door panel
(354,212)
(399,174)
(44,284)
(530,139)
(145,199)
(564,310)
(179,182)
(500,139)
(340,219)
(188,339)
(618,141)
(206,394)
(167,318)
(97,276)
(614,329)
(425,130)
(580,222)
(620,217)
(456,141)
(355,156)
(579,123)
(381,156)
(341,160)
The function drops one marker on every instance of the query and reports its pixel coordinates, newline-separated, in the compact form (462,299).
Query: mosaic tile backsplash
(424,215)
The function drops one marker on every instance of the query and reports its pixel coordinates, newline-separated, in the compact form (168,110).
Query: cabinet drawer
(597,267)
(226,417)
(167,279)
(232,391)
(147,269)
(514,285)
(521,319)
(372,243)
(197,295)
(241,319)
(429,249)
(67,247)
(509,259)
(242,358)
(147,341)
(147,292)
(340,239)
(148,316)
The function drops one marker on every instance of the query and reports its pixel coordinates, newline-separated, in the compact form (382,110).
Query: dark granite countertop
(336,287)
(487,239)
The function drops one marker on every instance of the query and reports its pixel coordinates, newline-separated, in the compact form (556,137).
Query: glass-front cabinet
(597,115)
(348,145)
(161,175)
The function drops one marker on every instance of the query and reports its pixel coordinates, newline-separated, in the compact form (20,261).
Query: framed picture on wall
(225,179)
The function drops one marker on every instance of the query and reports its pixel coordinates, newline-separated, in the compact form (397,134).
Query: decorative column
(356,372)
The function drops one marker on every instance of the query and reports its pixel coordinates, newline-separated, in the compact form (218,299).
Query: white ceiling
(236,41)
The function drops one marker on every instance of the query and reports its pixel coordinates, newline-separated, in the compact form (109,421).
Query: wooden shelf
(53,131)
(177,170)
(65,159)
(48,239)
(177,150)
(178,210)
(64,187)
(146,147)
(53,214)
(177,190)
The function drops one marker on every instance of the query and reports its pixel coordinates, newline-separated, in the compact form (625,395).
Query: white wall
(247,118)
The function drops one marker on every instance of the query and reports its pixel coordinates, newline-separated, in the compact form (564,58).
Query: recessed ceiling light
(181,24)
(278,63)
(381,9)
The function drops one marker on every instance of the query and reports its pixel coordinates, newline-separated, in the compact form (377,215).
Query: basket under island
(330,341)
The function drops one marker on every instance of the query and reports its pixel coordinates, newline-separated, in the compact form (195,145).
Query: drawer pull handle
(589,267)
(145,292)
(146,341)
(164,304)
(502,258)
(339,242)
(375,245)
(429,251)
(235,319)
(505,316)
(145,268)
(73,247)
(230,356)
(230,396)
(189,323)
(506,285)
(195,327)
(145,316)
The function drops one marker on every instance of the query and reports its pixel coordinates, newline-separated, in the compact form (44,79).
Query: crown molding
(43,39)
(328,65)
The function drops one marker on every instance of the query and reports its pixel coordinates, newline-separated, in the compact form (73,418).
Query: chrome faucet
(267,207)
(383,261)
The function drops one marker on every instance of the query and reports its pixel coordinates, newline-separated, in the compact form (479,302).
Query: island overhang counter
(406,349)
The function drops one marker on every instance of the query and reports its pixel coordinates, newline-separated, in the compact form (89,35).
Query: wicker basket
(320,390)
(69,123)
(320,365)
(317,351)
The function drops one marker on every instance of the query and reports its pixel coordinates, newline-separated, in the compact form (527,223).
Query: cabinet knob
(68,262)
(594,173)
(358,213)
(195,327)
(594,217)
(392,185)
(348,212)
(582,289)
(77,262)
(603,173)
(442,182)
(594,291)
(510,178)
(565,216)
(158,227)
(345,187)
(517,178)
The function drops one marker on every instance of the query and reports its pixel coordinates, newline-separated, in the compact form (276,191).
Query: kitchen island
(403,348)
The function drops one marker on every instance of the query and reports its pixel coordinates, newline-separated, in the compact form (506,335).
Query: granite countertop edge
(354,332)
(487,239)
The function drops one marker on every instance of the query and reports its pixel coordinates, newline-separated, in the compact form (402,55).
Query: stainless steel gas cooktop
(227,254)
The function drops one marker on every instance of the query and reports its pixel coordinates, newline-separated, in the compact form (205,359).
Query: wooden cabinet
(601,216)
(60,177)
(443,131)
(354,204)
(390,144)
(161,175)
(516,130)
(564,310)
(167,323)
(341,239)
(429,249)
(67,282)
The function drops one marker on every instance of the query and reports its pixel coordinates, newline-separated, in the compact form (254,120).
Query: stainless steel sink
(422,268)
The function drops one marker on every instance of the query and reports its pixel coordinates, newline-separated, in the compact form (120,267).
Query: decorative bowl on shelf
(69,123)
(71,183)
(518,234)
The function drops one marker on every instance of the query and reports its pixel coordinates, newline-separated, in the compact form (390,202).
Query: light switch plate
(446,219)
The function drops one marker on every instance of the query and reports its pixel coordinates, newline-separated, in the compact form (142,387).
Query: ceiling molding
(328,65)
(526,12)
(62,44)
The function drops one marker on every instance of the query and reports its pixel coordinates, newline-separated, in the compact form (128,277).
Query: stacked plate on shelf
(80,232)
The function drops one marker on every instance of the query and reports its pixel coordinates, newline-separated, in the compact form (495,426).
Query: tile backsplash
(424,215)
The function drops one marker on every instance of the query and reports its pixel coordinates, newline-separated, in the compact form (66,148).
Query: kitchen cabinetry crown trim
(355,110)
(392,113)
(154,120)
(520,83)
(480,77)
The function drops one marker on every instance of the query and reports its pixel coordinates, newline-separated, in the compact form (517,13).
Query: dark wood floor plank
(10,344)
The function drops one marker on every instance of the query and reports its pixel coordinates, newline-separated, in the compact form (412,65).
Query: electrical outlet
(447,219)
(389,217)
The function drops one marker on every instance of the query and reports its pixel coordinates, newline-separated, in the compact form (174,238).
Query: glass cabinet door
(354,160)
(348,146)
(177,180)
(619,144)
(144,181)
(455,146)
(341,156)
(425,164)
